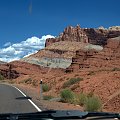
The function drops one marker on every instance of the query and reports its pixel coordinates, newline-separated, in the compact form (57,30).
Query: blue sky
(23,19)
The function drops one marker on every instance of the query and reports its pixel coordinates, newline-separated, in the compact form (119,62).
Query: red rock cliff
(108,58)
(94,36)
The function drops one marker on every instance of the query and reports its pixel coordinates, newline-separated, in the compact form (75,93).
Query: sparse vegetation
(88,101)
(71,82)
(91,73)
(67,95)
(90,94)
(47,97)
(45,87)
(82,98)
(116,69)
(28,81)
(93,104)
(1,77)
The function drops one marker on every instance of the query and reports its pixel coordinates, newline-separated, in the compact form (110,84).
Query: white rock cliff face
(59,54)
(49,62)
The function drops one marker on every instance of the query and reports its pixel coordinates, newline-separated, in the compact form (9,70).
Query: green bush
(1,77)
(93,104)
(71,82)
(67,95)
(47,97)
(45,88)
(82,98)
(88,101)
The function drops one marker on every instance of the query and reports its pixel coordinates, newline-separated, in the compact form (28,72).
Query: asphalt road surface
(13,101)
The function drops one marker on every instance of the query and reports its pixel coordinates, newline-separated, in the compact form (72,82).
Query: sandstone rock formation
(115,28)
(108,58)
(78,44)
(87,35)
(70,34)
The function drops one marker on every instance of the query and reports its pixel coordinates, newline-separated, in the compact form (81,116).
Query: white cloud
(29,54)
(9,59)
(7,44)
(25,48)
(7,51)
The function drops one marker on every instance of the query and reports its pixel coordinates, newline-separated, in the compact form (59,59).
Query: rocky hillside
(108,58)
(7,71)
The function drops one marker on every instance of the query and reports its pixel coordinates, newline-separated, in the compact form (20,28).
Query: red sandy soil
(105,84)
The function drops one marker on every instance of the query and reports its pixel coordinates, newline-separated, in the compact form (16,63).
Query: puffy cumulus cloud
(23,49)
(7,51)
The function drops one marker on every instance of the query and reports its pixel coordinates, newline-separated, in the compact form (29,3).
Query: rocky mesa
(60,52)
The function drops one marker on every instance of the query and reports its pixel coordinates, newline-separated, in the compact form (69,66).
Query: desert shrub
(90,94)
(93,104)
(89,102)
(71,82)
(45,87)
(1,77)
(116,69)
(82,98)
(47,97)
(91,73)
(67,95)
(28,81)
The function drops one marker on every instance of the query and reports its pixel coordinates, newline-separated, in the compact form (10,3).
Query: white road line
(19,91)
(38,109)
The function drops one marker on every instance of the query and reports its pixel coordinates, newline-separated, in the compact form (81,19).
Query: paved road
(12,101)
